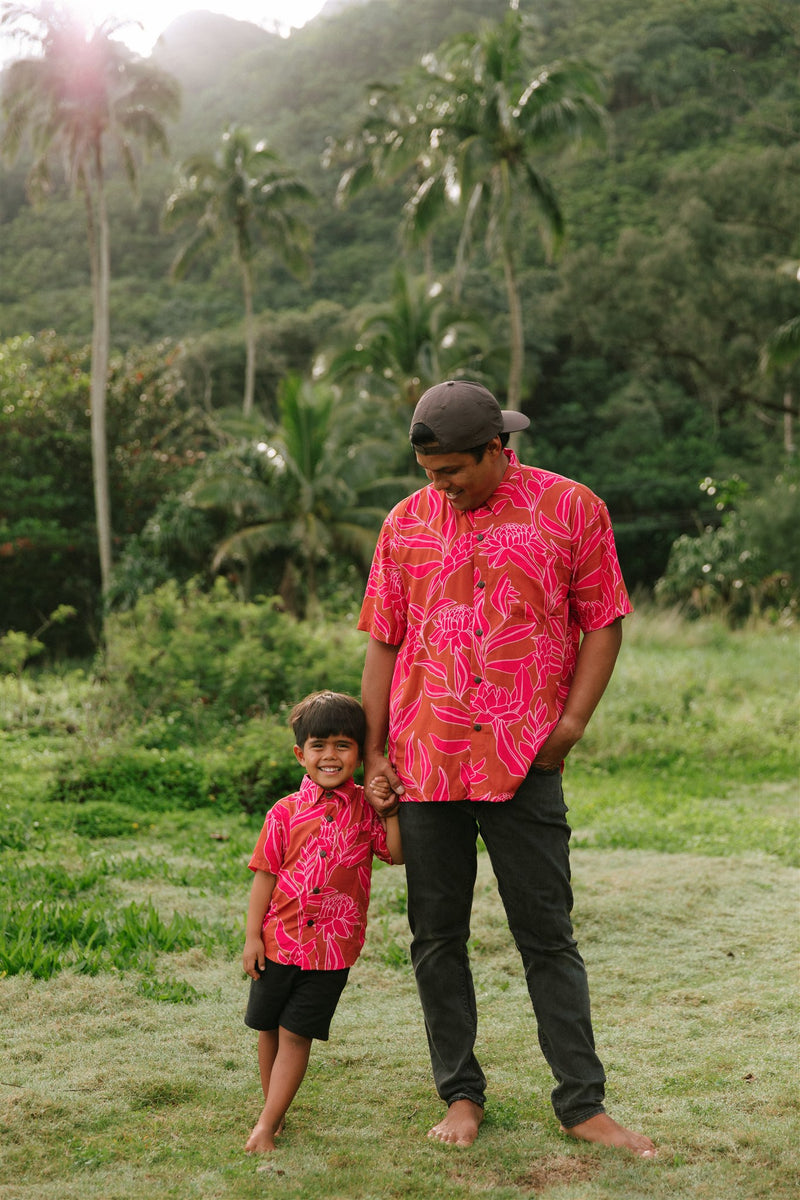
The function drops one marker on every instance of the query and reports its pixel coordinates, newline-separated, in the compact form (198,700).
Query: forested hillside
(645,327)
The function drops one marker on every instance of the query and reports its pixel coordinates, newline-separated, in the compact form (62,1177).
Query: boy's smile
(329,761)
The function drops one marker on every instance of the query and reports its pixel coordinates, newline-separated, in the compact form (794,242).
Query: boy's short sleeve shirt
(487,608)
(319,843)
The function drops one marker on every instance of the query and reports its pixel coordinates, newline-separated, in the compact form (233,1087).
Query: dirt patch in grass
(556,1169)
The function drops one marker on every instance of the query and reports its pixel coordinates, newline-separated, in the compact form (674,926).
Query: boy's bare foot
(262,1139)
(461,1124)
(606,1132)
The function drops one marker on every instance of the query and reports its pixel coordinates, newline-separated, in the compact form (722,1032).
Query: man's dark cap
(461,415)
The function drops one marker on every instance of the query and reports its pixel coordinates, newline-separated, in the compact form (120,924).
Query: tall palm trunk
(250,341)
(517,356)
(99,258)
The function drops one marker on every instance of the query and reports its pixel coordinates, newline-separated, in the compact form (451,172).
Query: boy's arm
(253,958)
(393,841)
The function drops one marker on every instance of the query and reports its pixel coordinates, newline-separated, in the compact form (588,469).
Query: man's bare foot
(606,1132)
(461,1124)
(262,1139)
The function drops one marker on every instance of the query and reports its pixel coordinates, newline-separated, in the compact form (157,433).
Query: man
(494,609)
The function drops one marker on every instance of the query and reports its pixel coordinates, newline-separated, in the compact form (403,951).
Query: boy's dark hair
(324,714)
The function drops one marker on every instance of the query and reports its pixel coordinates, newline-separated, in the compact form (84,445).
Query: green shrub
(197,660)
(748,566)
(128,783)
(257,768)
(107,797)
(102,819)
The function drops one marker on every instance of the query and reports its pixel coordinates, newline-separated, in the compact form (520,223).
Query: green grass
(127,1069)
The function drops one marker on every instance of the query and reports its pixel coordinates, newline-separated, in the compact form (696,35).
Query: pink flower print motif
(519,546)
(337,921)
(452,628)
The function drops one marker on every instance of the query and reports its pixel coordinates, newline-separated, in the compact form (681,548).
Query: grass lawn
(130,1074)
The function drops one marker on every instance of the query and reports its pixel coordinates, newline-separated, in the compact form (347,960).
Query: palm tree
(302,491)
(242,192)
(782,350)
(411,342)
(481,117)
(82,96)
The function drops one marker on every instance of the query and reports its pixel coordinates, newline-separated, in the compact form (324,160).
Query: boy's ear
(298,753)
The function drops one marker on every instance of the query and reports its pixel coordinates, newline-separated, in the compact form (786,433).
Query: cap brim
(513,421)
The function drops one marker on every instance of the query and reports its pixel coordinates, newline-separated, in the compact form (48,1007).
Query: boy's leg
(287,1071)
(267,1049)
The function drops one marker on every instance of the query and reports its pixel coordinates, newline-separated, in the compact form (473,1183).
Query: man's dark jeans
(528,842)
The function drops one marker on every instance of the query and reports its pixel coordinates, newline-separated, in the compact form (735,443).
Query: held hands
(253,958)
(382,787)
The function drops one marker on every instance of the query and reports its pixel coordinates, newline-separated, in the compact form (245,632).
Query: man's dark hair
(423,440)
(326,714)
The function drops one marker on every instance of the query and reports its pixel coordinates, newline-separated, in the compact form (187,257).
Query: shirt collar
(506,488)
(312,793)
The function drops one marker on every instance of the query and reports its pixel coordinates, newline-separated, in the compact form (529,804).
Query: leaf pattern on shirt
(487,608)
(320,845)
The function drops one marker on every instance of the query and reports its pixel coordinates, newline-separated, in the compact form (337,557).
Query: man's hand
(558,745)
(382,786)
(596,657)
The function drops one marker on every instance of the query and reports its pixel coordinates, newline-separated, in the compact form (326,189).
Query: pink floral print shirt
(320,844)
(487,607)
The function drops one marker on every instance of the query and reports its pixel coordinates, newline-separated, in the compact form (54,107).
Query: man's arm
(376,687)
(596,658)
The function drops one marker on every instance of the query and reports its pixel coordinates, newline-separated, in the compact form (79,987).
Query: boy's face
(329,761)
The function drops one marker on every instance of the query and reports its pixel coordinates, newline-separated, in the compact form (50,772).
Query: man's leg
(439,846)
(528,842)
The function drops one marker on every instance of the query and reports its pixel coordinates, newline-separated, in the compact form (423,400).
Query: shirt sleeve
(384,611)
(379,846)
(270,848)
(598,592)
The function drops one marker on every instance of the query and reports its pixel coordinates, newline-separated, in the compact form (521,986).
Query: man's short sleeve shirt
(319,843)
(487,607)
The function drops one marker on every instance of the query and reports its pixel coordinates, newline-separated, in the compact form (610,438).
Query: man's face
(466,483)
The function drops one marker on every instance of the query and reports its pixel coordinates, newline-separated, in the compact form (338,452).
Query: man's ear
(298,753)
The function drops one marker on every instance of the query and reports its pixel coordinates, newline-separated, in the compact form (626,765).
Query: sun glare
(141,22)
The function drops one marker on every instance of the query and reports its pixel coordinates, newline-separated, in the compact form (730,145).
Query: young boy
(308,904)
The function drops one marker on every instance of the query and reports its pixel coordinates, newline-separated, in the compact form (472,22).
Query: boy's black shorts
(301,1001)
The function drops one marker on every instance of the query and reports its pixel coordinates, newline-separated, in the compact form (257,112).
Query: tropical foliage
(659,344)
(83,96)
(478,119)
(241,194)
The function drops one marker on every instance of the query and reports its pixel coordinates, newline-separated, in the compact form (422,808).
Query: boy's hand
(253,959)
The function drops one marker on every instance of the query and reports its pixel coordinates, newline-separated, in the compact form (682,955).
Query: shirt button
(310,921)
(479,633)
(477,679)
(327,795)
(481,583)
(315,891)
(479,537)
(477,728)
(323,853)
